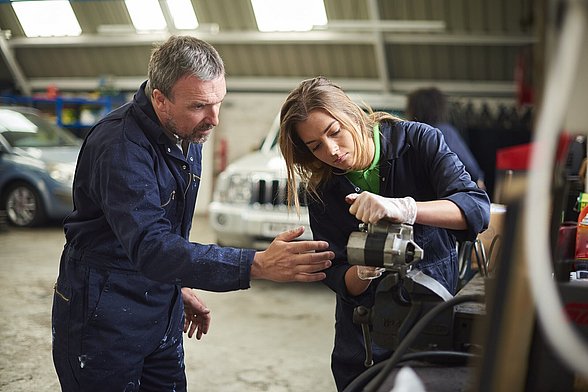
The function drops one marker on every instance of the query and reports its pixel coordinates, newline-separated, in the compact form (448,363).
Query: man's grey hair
(182,56)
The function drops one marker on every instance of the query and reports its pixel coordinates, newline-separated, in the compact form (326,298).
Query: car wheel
(23,205)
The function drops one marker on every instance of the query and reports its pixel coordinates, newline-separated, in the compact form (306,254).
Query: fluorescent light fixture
(146,15)
(183,14)
(47,18)
(289,15)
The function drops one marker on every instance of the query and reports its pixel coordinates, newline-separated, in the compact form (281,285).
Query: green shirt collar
(369,179)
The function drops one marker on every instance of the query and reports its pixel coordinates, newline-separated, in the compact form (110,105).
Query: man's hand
(197,315)
(288,261)
(370,208)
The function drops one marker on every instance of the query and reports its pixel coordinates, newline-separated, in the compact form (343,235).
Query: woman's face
(326,138)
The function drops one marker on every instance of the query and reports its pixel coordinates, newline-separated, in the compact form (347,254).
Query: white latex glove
(408,381)
(370,208)
(365,272)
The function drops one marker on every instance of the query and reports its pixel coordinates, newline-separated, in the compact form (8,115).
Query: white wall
(244,120)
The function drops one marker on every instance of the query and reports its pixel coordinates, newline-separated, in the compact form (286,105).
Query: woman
(359,166)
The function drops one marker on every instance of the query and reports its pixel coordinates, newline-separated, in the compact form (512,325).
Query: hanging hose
(560,81)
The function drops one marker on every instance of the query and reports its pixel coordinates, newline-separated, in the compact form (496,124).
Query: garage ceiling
(369,45)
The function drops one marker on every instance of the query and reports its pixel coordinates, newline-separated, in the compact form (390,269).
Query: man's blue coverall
(118,313)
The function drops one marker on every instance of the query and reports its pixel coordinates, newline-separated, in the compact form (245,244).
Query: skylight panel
(182,14)
(289,15)
(47,18)
(146,15)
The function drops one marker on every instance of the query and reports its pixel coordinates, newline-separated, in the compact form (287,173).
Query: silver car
(37,164)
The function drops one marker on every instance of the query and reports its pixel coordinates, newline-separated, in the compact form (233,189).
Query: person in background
(429,106)
(358,166)
(123,294)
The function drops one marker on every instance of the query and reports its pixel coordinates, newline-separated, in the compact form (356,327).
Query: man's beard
(195,137)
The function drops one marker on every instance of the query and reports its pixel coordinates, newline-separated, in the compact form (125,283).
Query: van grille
(273,192)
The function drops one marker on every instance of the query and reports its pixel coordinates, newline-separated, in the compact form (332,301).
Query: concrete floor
(272,337)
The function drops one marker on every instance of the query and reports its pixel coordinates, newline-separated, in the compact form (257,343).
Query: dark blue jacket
(415,161)
(134,198)
(458,146)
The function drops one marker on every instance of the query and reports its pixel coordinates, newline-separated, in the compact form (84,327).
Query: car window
(30,130)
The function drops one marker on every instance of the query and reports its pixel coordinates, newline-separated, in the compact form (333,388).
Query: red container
(582,235)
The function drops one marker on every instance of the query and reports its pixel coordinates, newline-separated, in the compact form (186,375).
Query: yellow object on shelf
(582,201)
(68,116)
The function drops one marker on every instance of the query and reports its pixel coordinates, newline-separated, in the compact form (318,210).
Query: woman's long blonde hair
(313,94)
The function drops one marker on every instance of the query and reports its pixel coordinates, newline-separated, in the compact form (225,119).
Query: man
(429,106)
(118,308)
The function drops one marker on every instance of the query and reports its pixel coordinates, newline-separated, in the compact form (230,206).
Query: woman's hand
(359,277)
(370,208)
(365,272)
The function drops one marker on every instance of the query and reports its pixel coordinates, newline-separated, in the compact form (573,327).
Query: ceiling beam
(169,20)
(379,46)
(253,37)
(461,39)
(244,37)
(284,84)
(459,87)
(405,26)
(13,66)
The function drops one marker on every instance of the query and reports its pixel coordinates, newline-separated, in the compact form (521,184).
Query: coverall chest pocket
(168,198)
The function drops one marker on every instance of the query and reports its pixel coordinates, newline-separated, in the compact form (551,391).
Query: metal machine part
(384,244)
(401,298)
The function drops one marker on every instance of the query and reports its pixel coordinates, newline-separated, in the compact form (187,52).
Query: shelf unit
(57,107)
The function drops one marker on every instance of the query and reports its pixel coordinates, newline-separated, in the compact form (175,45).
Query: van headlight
(233,188)
(62,172)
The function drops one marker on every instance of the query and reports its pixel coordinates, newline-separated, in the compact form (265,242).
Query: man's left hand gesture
(197,315)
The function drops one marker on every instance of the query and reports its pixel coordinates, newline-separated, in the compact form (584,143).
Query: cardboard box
(494,232)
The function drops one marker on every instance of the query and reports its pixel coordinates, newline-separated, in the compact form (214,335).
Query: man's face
(192,110)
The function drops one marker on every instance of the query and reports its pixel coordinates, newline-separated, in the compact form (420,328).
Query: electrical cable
(361,380)
(560,81)
(412,335)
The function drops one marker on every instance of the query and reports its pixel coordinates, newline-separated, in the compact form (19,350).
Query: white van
(249,200)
